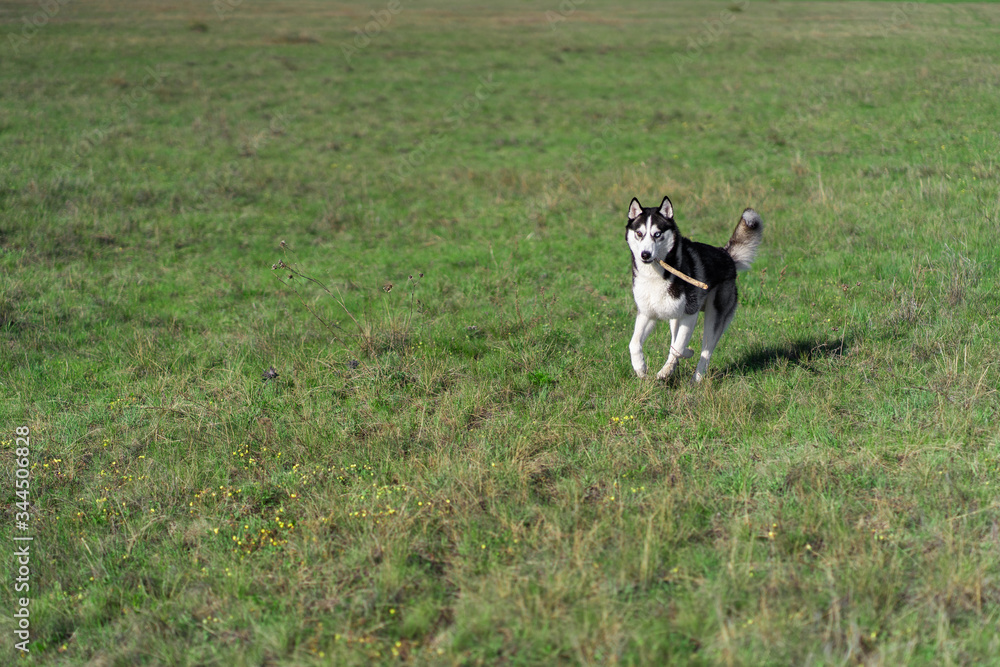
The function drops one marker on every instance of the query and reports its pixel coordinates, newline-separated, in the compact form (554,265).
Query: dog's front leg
(643,327)
(688,352)
(680,335)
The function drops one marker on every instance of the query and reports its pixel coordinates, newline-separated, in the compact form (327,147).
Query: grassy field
(318,317)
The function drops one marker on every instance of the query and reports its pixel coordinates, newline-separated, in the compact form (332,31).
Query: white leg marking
(643,327)
(681,336)
(683,354)
(710,338)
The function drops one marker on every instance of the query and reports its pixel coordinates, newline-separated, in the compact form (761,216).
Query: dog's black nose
(645,254)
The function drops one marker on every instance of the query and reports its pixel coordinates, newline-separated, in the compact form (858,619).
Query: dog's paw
(664,374)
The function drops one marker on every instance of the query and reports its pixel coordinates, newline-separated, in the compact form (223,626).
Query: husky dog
(653,237)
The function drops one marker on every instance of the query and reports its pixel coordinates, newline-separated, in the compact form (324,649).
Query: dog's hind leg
(719,312)
(643,327)
(681,330)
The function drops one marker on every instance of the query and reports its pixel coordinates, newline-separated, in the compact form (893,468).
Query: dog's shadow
(804,353)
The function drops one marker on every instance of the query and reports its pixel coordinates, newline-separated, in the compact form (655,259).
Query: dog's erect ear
(634,209)
(667,209)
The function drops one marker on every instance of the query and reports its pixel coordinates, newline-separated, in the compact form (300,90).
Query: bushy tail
(742,246)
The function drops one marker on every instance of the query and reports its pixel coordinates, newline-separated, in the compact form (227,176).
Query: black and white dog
(653,238)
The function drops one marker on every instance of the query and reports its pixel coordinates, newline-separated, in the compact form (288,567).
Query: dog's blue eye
(657,235)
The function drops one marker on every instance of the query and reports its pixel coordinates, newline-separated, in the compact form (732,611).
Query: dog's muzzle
(646,256)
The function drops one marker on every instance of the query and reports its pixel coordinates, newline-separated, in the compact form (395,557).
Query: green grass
(463,469)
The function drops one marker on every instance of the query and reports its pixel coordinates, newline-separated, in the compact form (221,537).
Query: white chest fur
(652,296)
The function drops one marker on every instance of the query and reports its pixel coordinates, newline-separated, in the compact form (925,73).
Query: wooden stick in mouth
(685,278)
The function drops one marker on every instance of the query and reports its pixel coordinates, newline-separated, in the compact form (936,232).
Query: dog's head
(651,232)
